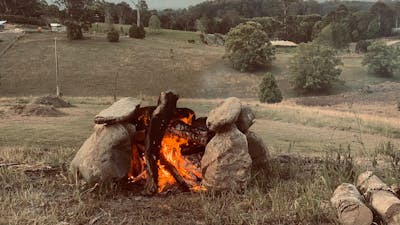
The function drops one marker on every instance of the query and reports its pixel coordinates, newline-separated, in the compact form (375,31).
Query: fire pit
(160,148)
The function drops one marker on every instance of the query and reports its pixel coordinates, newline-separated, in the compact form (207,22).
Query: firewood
(380,197)
(350,206)
(200,136)
(160,119)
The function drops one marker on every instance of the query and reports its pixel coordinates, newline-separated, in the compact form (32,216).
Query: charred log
(158,124)
(197,135)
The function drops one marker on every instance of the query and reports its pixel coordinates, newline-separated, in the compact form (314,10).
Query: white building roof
(2,22)
(55,25)
(283,43)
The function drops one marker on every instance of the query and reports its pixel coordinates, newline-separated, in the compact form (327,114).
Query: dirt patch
(36,110)
(54,101)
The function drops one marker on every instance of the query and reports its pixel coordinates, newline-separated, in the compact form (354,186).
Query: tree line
(294,20)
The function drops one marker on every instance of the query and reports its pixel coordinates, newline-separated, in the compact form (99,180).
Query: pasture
(304,134)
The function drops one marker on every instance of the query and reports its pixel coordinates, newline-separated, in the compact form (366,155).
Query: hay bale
(52,101)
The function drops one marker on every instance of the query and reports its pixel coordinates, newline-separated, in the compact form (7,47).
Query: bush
(113,35)
(314,67)
(362,46)
(248,47)
(154,23)
(137,32)
(382,59)
(268,90)
(74,31)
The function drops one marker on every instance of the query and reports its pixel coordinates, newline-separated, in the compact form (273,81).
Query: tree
(382,59)
(123,10)
(77,15)
(141,7)
(385,17)
(268,90)
(336,35)
(314,67)
(248,47)
(30,8)
(154,23)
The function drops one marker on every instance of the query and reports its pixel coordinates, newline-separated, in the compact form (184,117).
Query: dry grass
(295,189)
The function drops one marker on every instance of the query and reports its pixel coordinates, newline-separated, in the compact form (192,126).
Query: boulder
(121,111)
(226,114)
(258,151)
(246,119)
(106,154)
(226,164)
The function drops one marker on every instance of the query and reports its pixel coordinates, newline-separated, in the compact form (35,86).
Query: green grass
(171,35)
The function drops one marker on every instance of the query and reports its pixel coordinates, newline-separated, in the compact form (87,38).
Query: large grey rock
(226,114)
(106,154)
(214,39)
(258,151)
(226,164)
(120,111)
(246,119)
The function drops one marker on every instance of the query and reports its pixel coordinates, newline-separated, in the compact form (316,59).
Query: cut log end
(350,206)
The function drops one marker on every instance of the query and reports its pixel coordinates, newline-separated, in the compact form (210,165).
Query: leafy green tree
(385,16)
(382,59)
(77,15)
(314,67)
(248,47)
(336,35)
(268,90)
(154,23)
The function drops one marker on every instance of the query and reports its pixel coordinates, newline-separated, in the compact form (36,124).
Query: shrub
(362,46)
(314,67)
(154,24)
(382,59)
(268,90)
(248,47)
(137,32)
(113,35)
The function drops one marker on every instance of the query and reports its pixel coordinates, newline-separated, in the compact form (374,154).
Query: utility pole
(56,59)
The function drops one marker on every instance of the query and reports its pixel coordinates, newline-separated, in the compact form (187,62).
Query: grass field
(304,141)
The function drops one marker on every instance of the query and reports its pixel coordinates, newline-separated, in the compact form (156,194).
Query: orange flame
(171,150)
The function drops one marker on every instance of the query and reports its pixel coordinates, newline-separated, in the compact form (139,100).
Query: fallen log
(380,197)
(350,206)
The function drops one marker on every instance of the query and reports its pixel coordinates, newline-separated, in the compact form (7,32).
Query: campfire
(161,148)
(169,148)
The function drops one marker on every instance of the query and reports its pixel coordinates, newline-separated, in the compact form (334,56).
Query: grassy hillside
(316,142)
(145,67)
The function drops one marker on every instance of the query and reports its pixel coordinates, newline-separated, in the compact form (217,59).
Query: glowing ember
(171,150)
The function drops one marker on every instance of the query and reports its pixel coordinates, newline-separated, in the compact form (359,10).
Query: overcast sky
(161,4)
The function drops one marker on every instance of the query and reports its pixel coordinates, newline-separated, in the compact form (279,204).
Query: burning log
(160,119)
(380,196)
(350,206)
(197,135)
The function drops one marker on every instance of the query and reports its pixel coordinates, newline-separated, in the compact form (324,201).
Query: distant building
(56,27)
(2,24)
(281,43)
